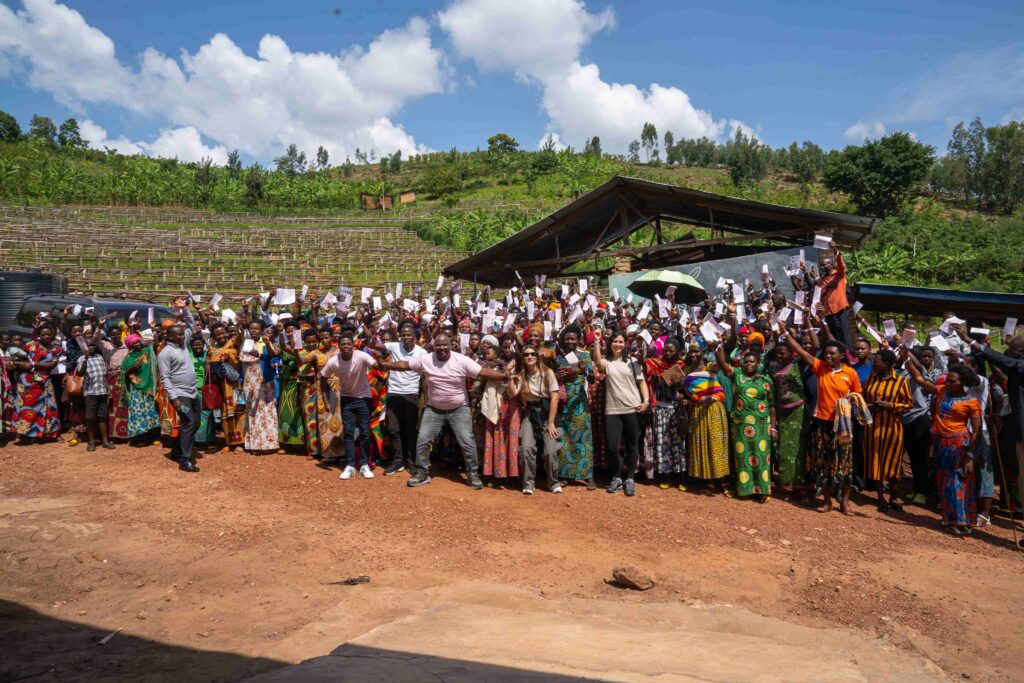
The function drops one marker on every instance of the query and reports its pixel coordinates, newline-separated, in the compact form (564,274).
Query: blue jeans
(430,426)
(355,414)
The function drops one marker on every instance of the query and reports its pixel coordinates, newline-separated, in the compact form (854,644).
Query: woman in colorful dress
(788,388)
(830,453)
(289,408)
(499,417)
(138,378)
(956,428)
(709,424)
(753,425)
(117,421)
(575,458)
(222,357)
(75,404)
(8,415)
(311,360)
(36,401)
(665,441)
(888,397)
(258,388)
(332,431)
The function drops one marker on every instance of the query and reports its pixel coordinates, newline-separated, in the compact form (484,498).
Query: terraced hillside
(151,253)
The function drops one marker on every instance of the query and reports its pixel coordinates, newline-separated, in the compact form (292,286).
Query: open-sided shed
(586,228)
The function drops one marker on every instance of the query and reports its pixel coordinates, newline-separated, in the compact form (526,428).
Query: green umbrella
(688,290)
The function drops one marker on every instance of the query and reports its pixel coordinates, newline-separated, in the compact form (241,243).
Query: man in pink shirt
(445,374)
(350,366)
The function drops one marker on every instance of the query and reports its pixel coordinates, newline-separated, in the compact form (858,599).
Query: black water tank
(15,285)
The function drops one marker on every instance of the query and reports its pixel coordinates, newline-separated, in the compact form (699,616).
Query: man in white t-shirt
(403,400)
(350,366)
(445,373)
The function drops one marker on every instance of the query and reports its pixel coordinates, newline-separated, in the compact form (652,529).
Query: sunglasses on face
(531,353)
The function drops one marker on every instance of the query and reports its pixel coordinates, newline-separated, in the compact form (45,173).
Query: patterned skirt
(751,447)
(709,441)
(665,440)
(501,442)
(829,460)
(36,405)
(955,487)
(289,415)
(788,452)
(142,415)
(170,421)
(575,458)
(117,422)
(260,411)
(310,397)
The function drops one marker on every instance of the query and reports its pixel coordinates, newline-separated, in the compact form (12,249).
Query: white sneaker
(557,488)
(366,472)
(347,472)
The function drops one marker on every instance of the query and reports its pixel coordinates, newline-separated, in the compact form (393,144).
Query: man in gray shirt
(178,378)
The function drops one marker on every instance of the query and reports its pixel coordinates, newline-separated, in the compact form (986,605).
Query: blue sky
(432,75)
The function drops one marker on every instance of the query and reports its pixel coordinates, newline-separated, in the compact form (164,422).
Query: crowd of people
(748,392)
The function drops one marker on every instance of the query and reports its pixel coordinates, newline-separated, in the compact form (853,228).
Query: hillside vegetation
(953,221)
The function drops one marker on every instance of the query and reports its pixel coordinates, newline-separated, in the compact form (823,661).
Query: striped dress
(883,439)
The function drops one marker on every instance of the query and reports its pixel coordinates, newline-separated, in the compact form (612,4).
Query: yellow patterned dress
(751,439)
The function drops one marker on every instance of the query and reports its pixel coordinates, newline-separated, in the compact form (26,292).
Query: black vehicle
(54,306)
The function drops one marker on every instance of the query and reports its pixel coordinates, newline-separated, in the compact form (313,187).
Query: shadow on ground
(39,648)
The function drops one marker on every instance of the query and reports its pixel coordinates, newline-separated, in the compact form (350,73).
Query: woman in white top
(536,387)
(626,397)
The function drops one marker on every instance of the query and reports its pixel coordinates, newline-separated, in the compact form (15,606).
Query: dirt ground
(229,573)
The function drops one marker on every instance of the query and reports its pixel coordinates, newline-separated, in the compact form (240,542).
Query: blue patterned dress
(576,456)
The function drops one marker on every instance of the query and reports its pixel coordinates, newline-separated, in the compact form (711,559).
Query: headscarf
(753,336)
(145,377)
(490,339)
(131,339)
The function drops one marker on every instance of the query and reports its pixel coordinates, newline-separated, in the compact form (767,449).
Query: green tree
(322,158)
(502,143)
(292,162)
(41,128)
(441,179)
(234,164)
(9,128)
(880,175)
(1004,166)
(649,139)
(593,146)
(670,143)
(546,159)
(395,163)
(633,152)
(204,180)
(806,162)
(69,136)
(255,185)
(966,160)
(747,159)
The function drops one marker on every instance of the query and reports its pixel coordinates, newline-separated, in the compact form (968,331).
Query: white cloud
(96,137)
(535,38)
(257,104)
(540,41)
(864,130)
(184,144)
(736,124)
(556,140)
(1013,115)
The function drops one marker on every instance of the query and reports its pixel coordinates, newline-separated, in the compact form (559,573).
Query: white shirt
(404,381)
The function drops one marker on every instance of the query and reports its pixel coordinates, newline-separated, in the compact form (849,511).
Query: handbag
(73,384)
(212,398)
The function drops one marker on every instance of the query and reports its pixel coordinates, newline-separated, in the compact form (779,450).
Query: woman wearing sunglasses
(536,387)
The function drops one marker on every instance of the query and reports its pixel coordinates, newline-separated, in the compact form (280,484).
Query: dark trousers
(615,427)
(917,440)
(839,326)
(190,414)
(403,411)
(355,414)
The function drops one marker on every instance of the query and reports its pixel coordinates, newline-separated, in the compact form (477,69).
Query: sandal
(979,523)
(663,486)
(73,442)
(895,507)
(681,487)
(961,531)
(883,507)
